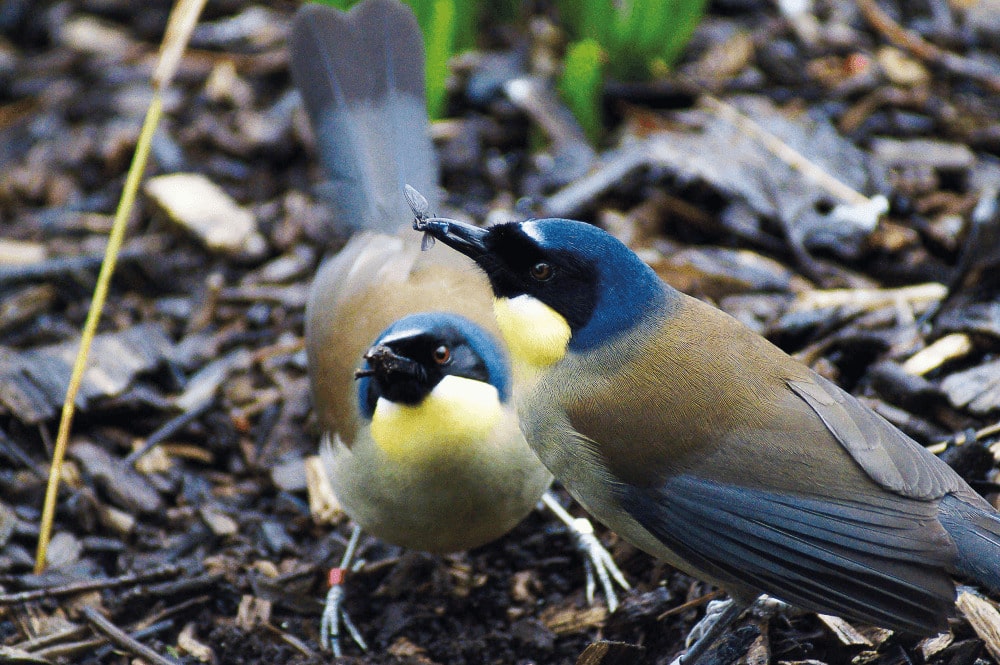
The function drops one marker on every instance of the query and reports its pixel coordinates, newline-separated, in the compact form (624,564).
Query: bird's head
(432,377)
(558,284)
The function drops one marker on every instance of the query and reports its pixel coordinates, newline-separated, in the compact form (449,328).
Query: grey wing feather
(889,457)
(879,563)
(361,77)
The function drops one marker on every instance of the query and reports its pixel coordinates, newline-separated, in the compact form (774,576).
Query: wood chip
(718,272)
(252,612)
(919,297)
(900,68)
(759,652)
(932,646)
(125,486)
(984,619)
(568,620)
(220,523)
(154,460)
(206,210)
(92,36)
(290,476)
(523,584)
(844,631)
(21,252)
(404,648)
(923,152)
(118,521)
(931,357)
(976,389)
(875,635)
(64,550)
(189,644)
(33,383)
(323,503)
(605,652)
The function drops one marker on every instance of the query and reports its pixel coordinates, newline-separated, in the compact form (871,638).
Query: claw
(595,557)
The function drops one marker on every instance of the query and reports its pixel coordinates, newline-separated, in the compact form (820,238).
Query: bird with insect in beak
(409,379)
(707,446)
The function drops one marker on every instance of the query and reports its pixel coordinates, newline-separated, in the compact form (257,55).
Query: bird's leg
(595,557)
(333,612)
(720,616)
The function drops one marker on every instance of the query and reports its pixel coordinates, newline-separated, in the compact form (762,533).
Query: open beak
(383,362)
(466,238)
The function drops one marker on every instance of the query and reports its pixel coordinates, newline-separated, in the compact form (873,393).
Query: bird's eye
(442,355)
(542,271)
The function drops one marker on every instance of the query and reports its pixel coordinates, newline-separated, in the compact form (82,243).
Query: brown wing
(718,398)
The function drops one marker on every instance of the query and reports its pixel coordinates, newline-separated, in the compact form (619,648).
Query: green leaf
(343,5)
(439,39)
(634,33)
(582,84)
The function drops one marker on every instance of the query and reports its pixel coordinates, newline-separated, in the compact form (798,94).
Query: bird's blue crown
(454,330)
(625,289)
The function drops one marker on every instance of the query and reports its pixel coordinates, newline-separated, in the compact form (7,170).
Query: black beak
(466,238)
(383,362)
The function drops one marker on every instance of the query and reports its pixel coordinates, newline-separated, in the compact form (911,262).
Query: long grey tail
(976,533)
(361,76)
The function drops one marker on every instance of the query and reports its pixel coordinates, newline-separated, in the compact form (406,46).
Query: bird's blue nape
(452,329)
(627,291)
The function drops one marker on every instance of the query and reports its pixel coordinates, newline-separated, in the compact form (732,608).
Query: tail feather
(976,533)
(361,76)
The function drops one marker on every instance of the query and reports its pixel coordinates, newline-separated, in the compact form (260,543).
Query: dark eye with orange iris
(442,355)
(541,271)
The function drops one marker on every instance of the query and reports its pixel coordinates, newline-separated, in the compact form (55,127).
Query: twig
(72,631)
(168,429)
(785,152)
(292,640)
(918,46)
(918,296)
(123,640)
(64,650)
(962,438)
(88,585)
(53,268)
(691,604)
(180,24)
(138,634)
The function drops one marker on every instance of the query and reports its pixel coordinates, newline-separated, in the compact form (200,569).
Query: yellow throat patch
(535,333)
(457,412)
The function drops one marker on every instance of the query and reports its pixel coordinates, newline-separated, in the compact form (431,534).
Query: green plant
(636,38)
(582,83)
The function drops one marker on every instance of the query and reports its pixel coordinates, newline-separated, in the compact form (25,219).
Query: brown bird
(707,446)
(424,449)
